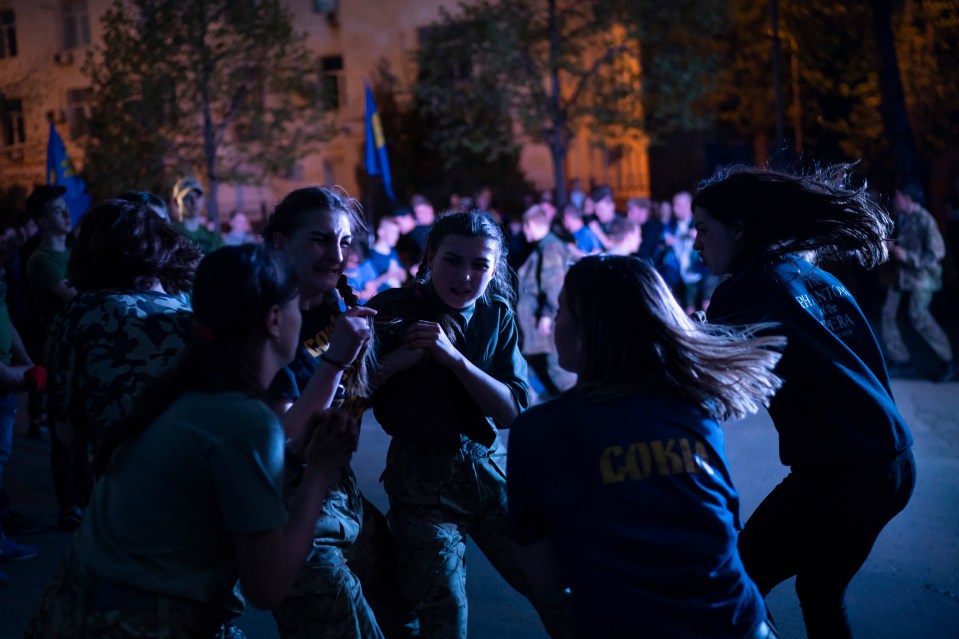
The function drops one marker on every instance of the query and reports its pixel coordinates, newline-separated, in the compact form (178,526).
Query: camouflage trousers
(437,498)
(69,610)
(347,588)
(922,322)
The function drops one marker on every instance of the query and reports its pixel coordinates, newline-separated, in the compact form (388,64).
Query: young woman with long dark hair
(847,446)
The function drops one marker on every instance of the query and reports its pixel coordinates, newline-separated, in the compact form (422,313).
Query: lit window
(12,128)
(8,34)
(76,24)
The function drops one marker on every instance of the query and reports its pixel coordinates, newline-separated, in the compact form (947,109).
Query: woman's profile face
(718,242)
(462,268)
(567,336)
(319,250)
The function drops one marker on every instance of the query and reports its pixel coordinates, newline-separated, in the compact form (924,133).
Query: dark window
(8,34)
(78,111)
(11,123)
(76,24)
(331,81)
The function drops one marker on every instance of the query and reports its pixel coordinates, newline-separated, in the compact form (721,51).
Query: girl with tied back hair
(847,446)
(451,374)
(346,588)
(189,496)
(619,489)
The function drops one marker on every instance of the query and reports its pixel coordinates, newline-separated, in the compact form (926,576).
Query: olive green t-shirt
(162,518)
(45,269)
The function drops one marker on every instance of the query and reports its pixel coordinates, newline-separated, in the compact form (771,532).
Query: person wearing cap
(188,195)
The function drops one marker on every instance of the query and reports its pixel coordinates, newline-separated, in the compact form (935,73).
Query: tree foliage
(831,78)
(551,69)
(418,167)
(222,88)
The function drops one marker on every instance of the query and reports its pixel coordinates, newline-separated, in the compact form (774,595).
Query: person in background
(619,489)
(425,216)
(240,230)
(916,254)
(586,241)
(47,266)
(604,212)
(17,374)
(47,278)
(383,262)
(680,260)
(840,432)
(540,278)
(189,214)
(577,196)
(625,237)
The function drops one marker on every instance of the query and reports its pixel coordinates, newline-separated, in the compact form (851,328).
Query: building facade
(43,46)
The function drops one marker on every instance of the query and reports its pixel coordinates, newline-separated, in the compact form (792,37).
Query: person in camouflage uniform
(347,586)
(917,256)
(540,280)
(127,327)
(450,372)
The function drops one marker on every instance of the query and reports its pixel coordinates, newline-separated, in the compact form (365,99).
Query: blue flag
(60,172)
(376,161)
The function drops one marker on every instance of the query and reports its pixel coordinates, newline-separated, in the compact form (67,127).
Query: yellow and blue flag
(60,173)
(376,161)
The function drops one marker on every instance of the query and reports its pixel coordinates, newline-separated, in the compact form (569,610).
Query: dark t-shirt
(636,495)
(426,405)
(835,407)
(381,261)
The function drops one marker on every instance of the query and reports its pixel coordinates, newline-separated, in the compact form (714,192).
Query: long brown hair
(644,341)
(291,214)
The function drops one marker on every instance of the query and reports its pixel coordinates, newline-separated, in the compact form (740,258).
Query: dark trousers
(70,467)
(820,526)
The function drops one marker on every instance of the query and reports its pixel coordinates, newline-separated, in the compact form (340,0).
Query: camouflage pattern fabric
(437,498)
(106,347)
(347,587)
(67,610)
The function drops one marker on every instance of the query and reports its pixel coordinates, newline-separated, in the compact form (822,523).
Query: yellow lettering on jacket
(641,459)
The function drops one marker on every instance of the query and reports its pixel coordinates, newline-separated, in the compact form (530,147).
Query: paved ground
(909,588)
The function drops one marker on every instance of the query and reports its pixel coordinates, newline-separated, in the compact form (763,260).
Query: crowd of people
(203,393)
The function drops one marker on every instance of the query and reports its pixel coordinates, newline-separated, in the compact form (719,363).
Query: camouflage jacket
(919,235)
(106,347)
